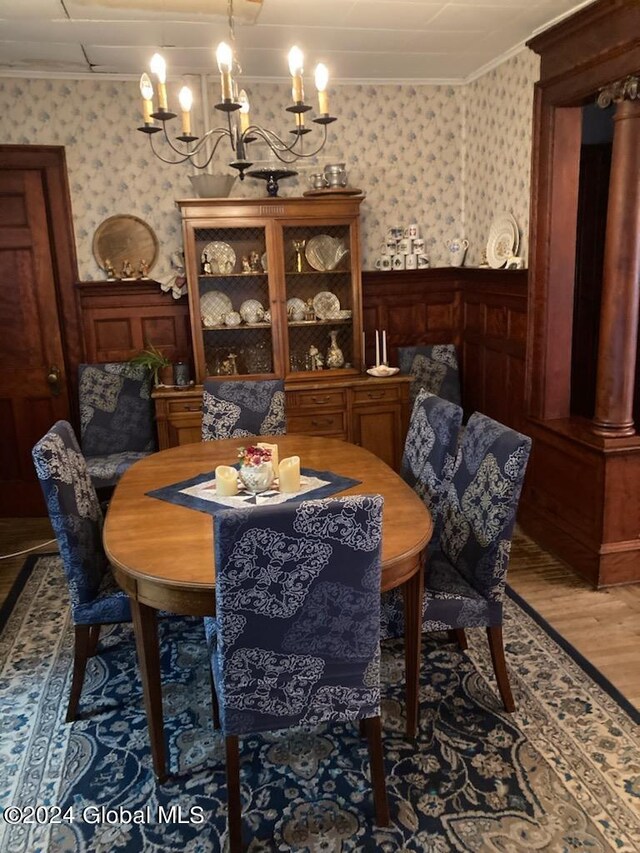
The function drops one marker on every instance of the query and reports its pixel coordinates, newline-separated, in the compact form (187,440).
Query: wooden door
(31,351)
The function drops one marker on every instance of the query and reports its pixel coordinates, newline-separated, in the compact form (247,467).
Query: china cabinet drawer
(186,405)
(387,394)
(318,424)
(332,398)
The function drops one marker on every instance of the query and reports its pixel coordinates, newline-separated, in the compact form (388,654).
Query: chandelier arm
(188,156)
(272,138)
(213,149)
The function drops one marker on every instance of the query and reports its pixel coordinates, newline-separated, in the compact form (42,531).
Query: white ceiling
(360,40)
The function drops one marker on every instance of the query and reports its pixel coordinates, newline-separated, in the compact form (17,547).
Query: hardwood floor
(603,625)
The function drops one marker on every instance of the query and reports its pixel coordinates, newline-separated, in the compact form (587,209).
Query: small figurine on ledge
(254,262)
(127,270)
(484,263)
(246,265)
(309,311)
(143,269)
(111,273)
(316,361)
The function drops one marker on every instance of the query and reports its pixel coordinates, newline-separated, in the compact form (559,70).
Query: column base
(611,430)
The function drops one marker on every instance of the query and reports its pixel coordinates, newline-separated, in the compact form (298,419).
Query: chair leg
(80,654)
(494,634)
(215,708)
(457,635)
(234,806)
(94,637)
(376,759)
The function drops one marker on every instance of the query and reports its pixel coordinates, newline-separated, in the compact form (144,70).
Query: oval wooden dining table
(162,553)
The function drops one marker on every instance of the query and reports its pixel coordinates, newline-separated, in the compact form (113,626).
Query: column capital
(627,89)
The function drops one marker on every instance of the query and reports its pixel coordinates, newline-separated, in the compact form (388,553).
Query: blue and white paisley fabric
(428,464)
(116,418)
(270,573)
(479,514)
(243,408)
(77,521)
(432,368)
(107,470)
(297,633)
(358,524)
(466,572)
(430,449)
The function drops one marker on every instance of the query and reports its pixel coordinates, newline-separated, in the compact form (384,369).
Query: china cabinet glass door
(233,302)
(319,294)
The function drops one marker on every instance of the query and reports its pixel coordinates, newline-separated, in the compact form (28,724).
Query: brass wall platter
(124,238)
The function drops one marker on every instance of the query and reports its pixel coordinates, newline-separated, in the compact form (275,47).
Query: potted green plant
(155,361)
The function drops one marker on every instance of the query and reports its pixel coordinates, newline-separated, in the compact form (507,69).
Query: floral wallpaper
(497,154)
(407,146)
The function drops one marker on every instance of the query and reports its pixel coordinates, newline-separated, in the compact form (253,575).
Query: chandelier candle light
(239,130)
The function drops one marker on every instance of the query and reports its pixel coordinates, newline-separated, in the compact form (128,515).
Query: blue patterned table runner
(319,484)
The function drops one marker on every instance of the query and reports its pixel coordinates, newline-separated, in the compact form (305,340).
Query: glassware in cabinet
(319,291)
(233,301)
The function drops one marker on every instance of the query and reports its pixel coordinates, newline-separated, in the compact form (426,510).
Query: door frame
(50,160)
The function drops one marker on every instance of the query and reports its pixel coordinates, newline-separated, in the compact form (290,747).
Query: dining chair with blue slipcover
(466,572)
(116,418)
(432,368)
(427,466)
(76,518)
(430,450)
(296,637)
(466,575)
(246,407)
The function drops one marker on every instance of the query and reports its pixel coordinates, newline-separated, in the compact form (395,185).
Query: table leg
(413,592)
(145,626)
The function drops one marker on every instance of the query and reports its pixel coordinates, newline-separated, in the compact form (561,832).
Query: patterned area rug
(561,774)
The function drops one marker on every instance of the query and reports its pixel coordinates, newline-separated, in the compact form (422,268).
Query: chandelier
(238,131)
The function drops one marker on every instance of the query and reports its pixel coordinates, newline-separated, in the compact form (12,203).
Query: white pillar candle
(384,347)
(290,474)
(364,350)
(274,454)
(377,349)
(226,481)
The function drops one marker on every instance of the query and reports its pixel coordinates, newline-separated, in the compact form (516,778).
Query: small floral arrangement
(251,457)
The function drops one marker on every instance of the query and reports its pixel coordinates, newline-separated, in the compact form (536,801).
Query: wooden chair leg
(94,637)
(82,644)
(494,633)
(376,759)
(457,635)
(215,708)
(234,806)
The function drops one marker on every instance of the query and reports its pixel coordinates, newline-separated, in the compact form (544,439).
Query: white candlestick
(364,350)
(384,347)
(290,474)
(226,481)
(274,454)
(377,349)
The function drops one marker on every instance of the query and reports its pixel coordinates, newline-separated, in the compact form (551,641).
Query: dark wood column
(621,280)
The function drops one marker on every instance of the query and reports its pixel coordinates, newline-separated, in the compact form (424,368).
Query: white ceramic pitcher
(457,250)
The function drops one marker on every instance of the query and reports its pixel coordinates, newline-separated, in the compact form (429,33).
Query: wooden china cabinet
(274,287)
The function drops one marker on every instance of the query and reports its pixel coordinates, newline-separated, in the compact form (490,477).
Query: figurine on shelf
(299,245)
(234,367)
(127,270)
(254,262)
(310,311)
(111,273)
(316,361)
(483,261)
(206,268)
(246,265)
(143,269)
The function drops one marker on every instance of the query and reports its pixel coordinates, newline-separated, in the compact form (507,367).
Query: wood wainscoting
(120,318)
(482,311)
